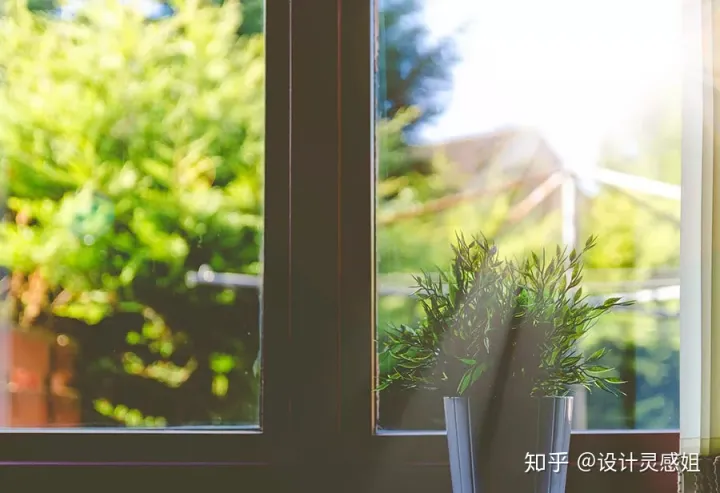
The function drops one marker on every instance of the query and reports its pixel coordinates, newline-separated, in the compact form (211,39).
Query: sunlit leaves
(134,152)
(222,363)
(220,385)
(470,308)
(124,122)
(164,372)
(127,416)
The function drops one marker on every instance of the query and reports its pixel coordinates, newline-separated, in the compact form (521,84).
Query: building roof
(508,153)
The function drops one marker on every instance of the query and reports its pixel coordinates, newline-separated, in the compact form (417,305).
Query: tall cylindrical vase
(554,428)
(527,452)
(460,437)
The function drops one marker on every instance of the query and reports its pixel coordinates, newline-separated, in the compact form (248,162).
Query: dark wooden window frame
(318,303)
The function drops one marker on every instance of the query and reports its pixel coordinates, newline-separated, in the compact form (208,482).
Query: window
(136,229)
(129,228)
(335,259)
(538,131)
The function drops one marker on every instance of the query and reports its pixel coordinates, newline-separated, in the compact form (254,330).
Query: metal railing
(392,285)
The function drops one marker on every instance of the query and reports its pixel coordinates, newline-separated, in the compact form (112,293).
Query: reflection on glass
(132,143)
(537,124)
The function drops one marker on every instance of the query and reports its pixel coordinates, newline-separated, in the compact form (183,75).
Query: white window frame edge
(700,225)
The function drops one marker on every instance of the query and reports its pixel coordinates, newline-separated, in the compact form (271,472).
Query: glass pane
(132,137)
(534,125)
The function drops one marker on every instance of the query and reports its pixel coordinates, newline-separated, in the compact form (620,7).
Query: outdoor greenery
(415,68)
(133,153)
(483,304)
(640,241)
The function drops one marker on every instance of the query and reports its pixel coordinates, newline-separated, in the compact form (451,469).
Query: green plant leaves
(134,148)
(135,152)
(471,376)
(471,306)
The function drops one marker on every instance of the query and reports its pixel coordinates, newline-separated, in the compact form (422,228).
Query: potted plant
(499,341)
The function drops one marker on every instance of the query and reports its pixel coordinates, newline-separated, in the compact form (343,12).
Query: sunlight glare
(576,71)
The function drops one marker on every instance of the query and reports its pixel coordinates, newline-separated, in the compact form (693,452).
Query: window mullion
(358,220)
(275,316)
(311,369)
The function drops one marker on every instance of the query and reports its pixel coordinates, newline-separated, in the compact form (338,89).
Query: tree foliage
(147,331)
(134,154)
(415,68)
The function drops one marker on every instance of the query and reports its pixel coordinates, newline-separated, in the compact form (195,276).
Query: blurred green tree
(134,153)
(416,69)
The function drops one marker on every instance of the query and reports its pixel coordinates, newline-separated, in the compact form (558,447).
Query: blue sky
(577,70)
